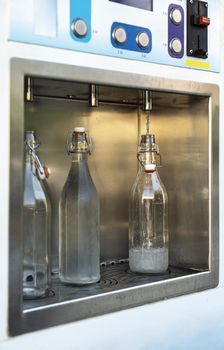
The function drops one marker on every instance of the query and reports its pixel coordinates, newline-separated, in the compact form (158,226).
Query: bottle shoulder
(34,194)
(79,182)
(149,183)
(79,175)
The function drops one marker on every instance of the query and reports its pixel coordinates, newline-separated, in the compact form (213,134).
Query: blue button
(80,20)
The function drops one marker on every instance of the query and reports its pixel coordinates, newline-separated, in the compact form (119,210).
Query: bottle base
(148,260)
(84,282)
(150,272)
(34,293)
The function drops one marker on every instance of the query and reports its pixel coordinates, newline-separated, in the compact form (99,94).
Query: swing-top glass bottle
(148,215)
(36,224)
(79,257)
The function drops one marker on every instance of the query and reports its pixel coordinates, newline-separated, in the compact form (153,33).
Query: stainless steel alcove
(185,121)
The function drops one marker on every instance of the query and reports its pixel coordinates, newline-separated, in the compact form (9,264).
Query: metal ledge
(113,278)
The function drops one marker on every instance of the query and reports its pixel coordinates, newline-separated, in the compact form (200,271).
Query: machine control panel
(172,32)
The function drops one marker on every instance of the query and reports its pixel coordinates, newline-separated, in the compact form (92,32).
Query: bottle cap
(79,141)
(79,129)
(149,168)
(30,136)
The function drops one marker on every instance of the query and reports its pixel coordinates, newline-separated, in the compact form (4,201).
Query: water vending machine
(110,191)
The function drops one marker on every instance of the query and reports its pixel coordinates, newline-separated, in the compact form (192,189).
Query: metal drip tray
(114,276)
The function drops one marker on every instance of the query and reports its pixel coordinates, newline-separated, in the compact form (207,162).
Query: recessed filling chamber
(115,120)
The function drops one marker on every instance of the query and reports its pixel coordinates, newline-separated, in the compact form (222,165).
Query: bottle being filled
(148,215)
(79,248)
(36,224)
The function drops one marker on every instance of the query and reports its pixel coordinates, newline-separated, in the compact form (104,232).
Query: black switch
(197,28)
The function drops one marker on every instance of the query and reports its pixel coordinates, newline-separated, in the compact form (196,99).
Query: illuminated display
(141,4)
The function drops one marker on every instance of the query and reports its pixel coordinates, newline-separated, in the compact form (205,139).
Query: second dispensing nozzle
(147,100)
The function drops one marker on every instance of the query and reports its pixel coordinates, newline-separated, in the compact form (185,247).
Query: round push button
(176,16)
(143,40)
(176,46)
(120,35)
(79,28)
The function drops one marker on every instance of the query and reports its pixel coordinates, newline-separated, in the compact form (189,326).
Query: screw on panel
(191,51)
(206,5)
(191,1)
(206,54)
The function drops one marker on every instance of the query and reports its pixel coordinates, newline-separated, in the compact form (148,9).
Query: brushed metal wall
(182,130)
(180,123)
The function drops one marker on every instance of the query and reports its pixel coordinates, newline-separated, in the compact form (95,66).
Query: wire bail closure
(148,146)
(39,168)
(79,142)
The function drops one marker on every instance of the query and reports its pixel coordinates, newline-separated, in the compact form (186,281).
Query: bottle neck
(79,163)
(29,159)
(30,166)
(147,163)
(147,158)
(79,157)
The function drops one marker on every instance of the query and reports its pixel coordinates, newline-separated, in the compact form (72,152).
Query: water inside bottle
(35,273)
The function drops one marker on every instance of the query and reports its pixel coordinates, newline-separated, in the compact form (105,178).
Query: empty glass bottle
(79,218)
(36,224)
(148,216)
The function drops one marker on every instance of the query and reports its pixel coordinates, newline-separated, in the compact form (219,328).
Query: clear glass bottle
(148,213)
(79,253)
(36,224)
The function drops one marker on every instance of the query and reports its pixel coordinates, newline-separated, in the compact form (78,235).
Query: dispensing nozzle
(29,89)
(93,95)
(147,100)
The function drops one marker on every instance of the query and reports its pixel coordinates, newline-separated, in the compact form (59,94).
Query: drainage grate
(115,275)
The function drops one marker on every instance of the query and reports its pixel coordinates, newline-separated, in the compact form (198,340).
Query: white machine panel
(143,30)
